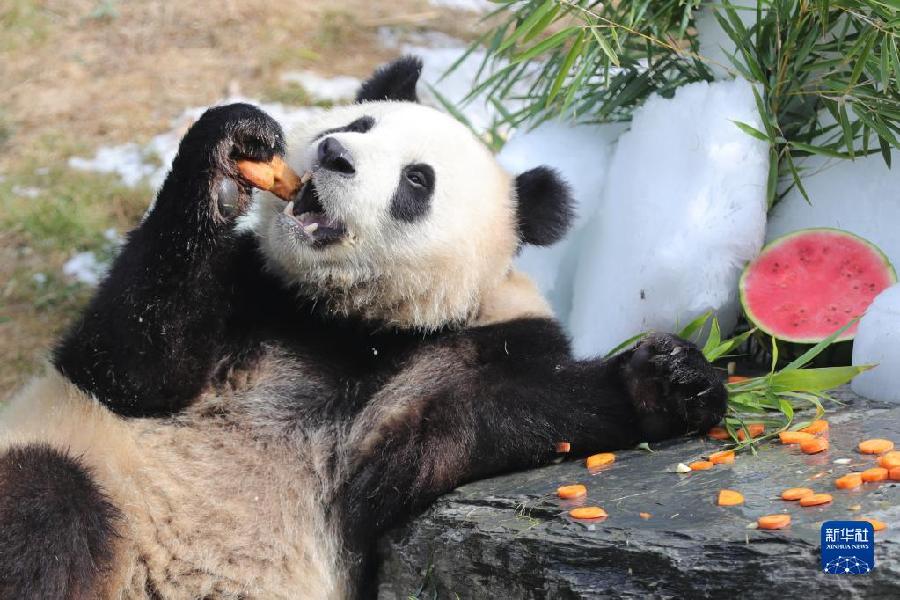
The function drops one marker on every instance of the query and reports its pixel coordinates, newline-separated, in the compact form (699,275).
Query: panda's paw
(673,388)
(222,135)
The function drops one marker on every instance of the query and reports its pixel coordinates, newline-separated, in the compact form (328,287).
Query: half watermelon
(808,284)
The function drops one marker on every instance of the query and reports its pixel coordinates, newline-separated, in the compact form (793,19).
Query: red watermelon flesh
(808,284)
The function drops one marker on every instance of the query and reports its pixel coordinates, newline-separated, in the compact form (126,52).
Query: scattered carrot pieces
(814,446)
(876,446)
(737,378)
(600,460)
(815,499)
(755,429)
(725,457)
(701,465)
(795,437)
(773,521)
(875,474)
(588,512)
(568,492)
(816,427)
(718,433)
(563,447)
(730,498)
(876,524)
(645,515)
(889,460)
(796,493)
(894,474)
(848,482)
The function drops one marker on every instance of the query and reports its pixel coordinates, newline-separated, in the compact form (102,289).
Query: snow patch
(334,89)
(683,210)
(466,5)
(85,268)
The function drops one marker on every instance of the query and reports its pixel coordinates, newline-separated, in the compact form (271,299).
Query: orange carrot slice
(645,515)
(894,474)
(796,493)
(773,522)
(568,492)
(813,446)
(737,378)
(816,427)
(701,465)
(875,446)
(755,429)
(588,512)
(563,447)
(849,481)
(889,460)
(794,437)
(718,433)
(730,498)
(815,499)
(875,474)
(260,174)
(725,457)
(600,460)
(876,524)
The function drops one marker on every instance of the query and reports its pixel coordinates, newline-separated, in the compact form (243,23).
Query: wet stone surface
(510,537)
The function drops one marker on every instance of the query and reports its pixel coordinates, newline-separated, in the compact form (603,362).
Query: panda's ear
(393,81)
(545,209)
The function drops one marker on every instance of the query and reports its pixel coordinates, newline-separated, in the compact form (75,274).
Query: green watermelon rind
(777,241)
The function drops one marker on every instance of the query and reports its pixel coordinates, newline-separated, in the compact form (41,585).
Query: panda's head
(408,218)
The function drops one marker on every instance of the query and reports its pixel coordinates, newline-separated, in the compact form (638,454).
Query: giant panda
(248,402)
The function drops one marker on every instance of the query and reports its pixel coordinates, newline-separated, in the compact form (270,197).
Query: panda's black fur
(191,334)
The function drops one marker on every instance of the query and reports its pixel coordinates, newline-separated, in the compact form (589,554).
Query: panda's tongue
(309,213)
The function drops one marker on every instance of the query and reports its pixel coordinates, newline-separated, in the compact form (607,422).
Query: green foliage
(826,73)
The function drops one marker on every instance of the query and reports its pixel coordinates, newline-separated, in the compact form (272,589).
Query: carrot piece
(815,499)
(875,474)
(813,446)
(644,515)
(563,447)
(260,174)
(889,460)
(794,437)
(876,524)
(773,522)
(600,460)
(849,481)
(718,433)
(730,498)
(588,512)
(701,465)
(737,378)
(755,429)
(875,446)
(894,474)
(796,493)
(816,427)
(568,492)
(724,457)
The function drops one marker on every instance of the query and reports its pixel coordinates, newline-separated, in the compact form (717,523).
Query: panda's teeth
(288,210)
(311,228)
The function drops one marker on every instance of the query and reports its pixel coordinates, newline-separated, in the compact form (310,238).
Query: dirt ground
(78,74)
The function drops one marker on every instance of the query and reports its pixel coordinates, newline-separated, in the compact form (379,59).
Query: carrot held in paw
(274,176)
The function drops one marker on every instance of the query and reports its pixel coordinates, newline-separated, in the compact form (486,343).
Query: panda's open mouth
(311,221)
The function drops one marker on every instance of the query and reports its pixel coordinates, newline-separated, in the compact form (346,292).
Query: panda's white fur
(421,274)
(213,502)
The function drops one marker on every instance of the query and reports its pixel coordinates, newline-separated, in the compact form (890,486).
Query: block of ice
(876,343)
(861,196)
(581,154)
(683,210)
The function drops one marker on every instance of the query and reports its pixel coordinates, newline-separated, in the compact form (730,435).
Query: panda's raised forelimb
(513,391)
(149,339)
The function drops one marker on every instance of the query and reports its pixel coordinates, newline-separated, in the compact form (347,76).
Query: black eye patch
(412,198)
(360,125)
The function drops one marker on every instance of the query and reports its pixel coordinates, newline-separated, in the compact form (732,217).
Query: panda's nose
(334,157)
